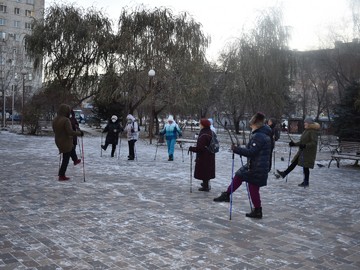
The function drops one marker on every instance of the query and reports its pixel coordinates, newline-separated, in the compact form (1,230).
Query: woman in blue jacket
(171,131)
(255,171)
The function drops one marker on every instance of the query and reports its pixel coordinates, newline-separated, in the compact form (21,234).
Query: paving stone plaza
(141,214)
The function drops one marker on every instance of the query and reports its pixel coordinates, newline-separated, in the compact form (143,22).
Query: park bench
(330,142)
(346,150)
(44,127)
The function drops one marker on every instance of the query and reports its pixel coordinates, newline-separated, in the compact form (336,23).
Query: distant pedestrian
(132,131)
(275,135)
(64,137)
(113,128)
(75,127)
(205,160)
(255,172)
(171,131)
(212,125)
(306,155)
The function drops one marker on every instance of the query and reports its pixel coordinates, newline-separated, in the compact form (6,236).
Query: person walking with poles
(306,155)
(75,127)
(275,135)
(113,128)
(132,131)
(205,160)
(64,137)
(255,171)
(171,130)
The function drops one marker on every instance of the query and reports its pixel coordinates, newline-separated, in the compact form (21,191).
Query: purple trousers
(253,189)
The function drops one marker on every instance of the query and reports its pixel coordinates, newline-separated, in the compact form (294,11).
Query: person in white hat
(171,131)
(132,130)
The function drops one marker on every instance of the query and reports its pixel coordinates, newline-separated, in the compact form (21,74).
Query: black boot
(171,158)
(209,186)
(224,197)
(280,173)
(205,186)
(304,184)
(103,147)
(255,213)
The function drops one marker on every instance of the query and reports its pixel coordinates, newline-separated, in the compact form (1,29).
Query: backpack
(214,144)
(133,125)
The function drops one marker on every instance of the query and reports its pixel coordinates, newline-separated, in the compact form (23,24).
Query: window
(31,2)
(28,13)
(2,21)
(3,8)
(17,11)
(28,26)
(17,24)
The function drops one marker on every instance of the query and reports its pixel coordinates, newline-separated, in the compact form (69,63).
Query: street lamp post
(151,75)
(13,100)
(23,73)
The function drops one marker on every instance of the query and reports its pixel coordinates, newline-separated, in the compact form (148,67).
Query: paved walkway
(122,220)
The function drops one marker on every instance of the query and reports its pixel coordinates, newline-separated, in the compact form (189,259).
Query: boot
(282,174)
(63,178)
(112,153)
(103,147)
(224,197)
(171,158)
(303,184)
(76,162)
(204,186)
(209,186)
(255,213)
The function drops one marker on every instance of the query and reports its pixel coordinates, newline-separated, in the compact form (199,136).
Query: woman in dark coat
(306,155)
(113,129)
(255,171)
(75,127)
(64,137)
(205,160)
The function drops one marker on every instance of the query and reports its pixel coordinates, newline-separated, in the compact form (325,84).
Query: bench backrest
(349,147)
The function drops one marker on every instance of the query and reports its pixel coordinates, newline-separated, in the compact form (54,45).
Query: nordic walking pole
(191,172)
(182,151)
(83,156)
(288,162)
(135,152)
(157,145)
(101,144)
(232,184)
(118,157)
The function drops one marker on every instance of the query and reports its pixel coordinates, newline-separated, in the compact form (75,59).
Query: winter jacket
(63,130)
(258,150)
(171,131)
(205,160)
(306,157)
(74,126)
(113,130)
(131,128)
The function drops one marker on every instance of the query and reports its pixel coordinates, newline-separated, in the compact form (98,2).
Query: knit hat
(205,122)
(257,119)
(309,120)
(170,118)
(114,118)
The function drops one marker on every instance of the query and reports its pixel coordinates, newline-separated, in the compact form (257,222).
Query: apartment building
(17,76)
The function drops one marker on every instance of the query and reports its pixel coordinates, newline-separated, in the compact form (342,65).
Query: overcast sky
(310,21)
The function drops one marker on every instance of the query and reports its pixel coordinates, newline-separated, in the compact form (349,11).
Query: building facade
(18,79)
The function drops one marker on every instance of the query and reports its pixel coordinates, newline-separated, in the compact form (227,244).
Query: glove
(81,133)
(233,147)
(302,146)
(291,144)
(191,148)
(180,135)
(132,130)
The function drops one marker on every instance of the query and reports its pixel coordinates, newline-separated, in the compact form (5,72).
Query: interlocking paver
(141,215)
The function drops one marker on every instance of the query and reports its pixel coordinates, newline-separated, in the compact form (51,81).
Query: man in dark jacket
(255,171)
(64,137)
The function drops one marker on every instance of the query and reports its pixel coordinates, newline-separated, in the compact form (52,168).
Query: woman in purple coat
(205,160)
